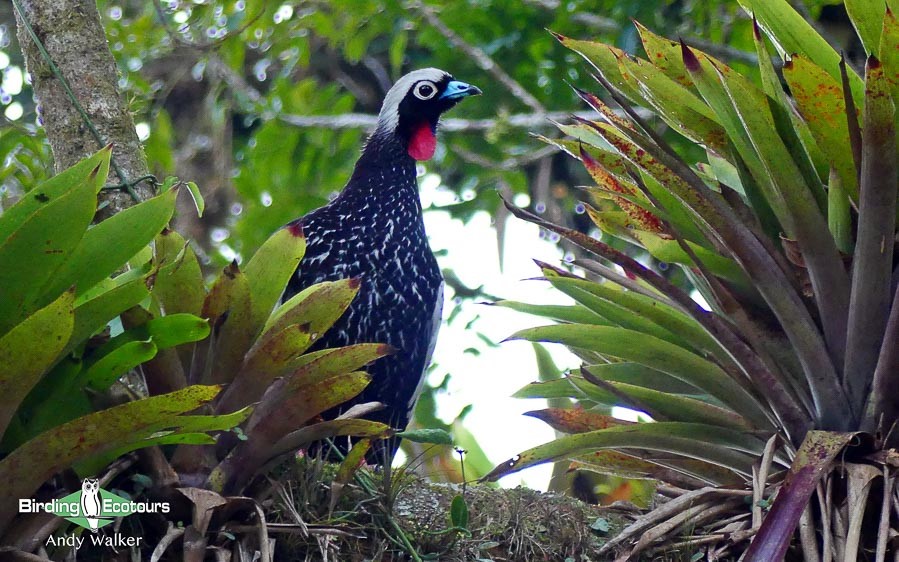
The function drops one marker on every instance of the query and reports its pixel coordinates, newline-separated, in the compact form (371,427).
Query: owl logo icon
(90,501)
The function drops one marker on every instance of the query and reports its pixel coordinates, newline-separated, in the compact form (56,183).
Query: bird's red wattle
(422,142)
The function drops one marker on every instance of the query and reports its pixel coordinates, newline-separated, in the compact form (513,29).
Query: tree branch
(480,57)
(726,52)
(512,163)
(368,122)
(71,35)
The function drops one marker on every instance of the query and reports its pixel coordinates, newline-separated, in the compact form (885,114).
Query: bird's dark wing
(433,329)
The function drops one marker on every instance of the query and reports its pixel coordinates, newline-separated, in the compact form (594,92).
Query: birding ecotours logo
(92,507)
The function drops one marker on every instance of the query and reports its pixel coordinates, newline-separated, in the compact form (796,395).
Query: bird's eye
(425,90)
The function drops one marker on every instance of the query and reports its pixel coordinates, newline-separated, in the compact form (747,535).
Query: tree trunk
(72,36)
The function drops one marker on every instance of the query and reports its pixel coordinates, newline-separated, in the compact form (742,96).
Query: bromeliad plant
(787,231)
(219,376)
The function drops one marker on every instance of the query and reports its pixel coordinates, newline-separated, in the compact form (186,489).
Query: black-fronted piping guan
(373,231)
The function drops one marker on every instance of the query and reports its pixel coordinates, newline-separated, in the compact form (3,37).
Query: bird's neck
(384,170)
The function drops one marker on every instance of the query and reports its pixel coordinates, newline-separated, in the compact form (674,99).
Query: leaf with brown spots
(26,468)
(819,98)
(680,471)
(576,420)
(642,217)
(683,110)
(665,54)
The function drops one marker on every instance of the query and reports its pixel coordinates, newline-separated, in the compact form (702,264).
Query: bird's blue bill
(457,90)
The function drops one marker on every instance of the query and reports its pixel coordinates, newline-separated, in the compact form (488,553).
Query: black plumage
(373,231)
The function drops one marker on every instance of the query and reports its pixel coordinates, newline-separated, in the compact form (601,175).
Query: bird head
(413,107)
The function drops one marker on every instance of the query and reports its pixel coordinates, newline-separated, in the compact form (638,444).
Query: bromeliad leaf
(309,368)
(819,98)
(105,371)
(36,249)
(605,59)
(23,361)
(576,314)
(665,55)
(178,286)
(731,449)
(328,429)
(228,308)
(790,33)
(93,169)
(93,314)
(270,268)
(430,436)
(317,307)
(657,354)
(671,252)
(96,258)
(679,107)
(26,468)
(575,420)
(660,405)
(287,405)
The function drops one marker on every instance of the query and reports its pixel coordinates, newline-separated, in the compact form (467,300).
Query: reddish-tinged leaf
(277,356)
(218,300)
(644,219)
(812,461)
(309,368)
(615,463)
(680,108)
(611,161)
(795,420)
(603,109)
(328,429)
(575,420)
(287,404)
(801,216)
(638,156)
(790,34)
(229,311)
(673,469)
